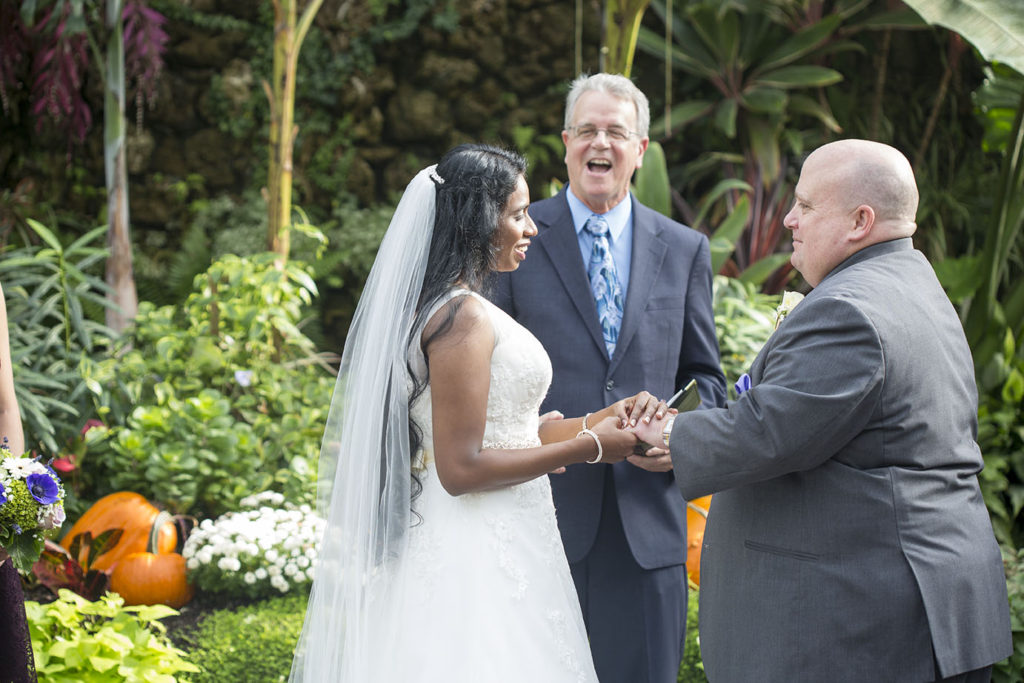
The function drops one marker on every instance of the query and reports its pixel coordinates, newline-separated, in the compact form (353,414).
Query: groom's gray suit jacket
(847,538)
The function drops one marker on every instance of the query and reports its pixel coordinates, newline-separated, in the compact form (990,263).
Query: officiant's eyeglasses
(588,132)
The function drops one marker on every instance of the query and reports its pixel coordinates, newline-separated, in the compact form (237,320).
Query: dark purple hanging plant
(54,42)
(144,46)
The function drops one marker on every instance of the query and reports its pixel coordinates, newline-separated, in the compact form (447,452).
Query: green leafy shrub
(78,641)
(254,643)
(218,398)
(53,292)
(267,548)
(1011,669)
(744,319)
(692,668)
(1001,438)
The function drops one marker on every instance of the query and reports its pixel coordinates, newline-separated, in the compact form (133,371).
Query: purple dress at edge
(16,663)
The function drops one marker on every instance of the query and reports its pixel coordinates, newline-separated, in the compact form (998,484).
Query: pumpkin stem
(185,523)
(162,517)
(696,508)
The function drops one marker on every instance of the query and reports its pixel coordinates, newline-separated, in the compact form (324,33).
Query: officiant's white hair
(613,84)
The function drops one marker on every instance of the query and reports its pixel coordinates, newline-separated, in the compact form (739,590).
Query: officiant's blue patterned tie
(604,282)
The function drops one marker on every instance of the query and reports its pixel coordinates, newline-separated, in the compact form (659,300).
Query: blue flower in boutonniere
(789,302)
(742,384)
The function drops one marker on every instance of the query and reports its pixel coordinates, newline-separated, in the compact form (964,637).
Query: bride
(442,559)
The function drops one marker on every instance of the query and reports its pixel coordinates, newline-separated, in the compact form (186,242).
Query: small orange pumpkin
(152,578)
(128,511)
(696,515)
(148,579)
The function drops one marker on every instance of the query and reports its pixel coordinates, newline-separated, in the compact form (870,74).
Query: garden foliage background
(218,388)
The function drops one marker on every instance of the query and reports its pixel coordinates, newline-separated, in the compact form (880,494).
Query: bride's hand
(616,444)
(547,417)
(641,407)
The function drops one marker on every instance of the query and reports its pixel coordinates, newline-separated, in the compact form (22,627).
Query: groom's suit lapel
(563,247)
(649,253)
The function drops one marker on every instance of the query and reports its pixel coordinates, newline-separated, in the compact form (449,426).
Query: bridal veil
(364,476)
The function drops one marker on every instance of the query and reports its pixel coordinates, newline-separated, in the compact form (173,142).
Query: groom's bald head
(873,174)
(851,194)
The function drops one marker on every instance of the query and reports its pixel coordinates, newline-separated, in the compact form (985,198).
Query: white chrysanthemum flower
(252,551)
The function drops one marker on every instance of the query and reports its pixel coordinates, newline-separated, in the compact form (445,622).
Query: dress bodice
(520,376)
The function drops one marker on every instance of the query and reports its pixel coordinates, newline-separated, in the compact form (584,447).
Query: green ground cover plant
(253,643)
(78,641)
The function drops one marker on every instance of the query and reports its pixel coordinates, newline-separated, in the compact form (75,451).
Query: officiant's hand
(654,460)
(616,443)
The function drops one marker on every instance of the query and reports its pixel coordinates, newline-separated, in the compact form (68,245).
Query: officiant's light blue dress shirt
(620,234)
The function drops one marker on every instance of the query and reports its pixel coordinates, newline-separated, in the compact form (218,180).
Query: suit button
(609,385)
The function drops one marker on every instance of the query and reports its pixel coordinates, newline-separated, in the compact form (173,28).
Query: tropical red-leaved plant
(58,63)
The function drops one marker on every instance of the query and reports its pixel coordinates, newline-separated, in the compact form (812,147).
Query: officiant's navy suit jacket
(667,338)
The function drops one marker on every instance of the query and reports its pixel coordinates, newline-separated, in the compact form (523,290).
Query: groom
(620,297)
(847,538)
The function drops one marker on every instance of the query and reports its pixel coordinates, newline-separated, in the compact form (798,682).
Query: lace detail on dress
(560,625)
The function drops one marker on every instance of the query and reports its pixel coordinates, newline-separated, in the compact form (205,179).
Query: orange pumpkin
(148,579)
(128,511)
(696,515)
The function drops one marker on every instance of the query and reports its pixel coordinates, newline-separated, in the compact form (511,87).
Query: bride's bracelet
(600,451)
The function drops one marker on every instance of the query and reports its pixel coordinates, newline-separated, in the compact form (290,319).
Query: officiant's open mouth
(599,166)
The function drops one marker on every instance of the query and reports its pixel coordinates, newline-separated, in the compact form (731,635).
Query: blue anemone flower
(3,494)
(43,488)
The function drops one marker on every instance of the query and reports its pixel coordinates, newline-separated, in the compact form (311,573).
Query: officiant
(620,297)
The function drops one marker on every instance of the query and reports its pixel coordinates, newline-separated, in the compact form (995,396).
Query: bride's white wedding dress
(483,592)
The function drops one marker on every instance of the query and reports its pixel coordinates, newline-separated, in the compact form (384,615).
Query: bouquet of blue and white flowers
(31,503)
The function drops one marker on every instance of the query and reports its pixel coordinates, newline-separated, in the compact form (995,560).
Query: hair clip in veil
(438,180)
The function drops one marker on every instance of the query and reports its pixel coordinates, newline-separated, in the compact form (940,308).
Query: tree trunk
(119,273)
(288,36)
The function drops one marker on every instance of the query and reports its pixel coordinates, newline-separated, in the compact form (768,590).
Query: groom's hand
(658,458)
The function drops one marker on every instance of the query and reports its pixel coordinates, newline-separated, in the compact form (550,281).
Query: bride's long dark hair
(474,184)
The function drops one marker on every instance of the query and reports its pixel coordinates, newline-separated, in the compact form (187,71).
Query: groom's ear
(863,223)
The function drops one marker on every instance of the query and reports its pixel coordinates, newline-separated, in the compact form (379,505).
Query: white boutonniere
(789,302)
